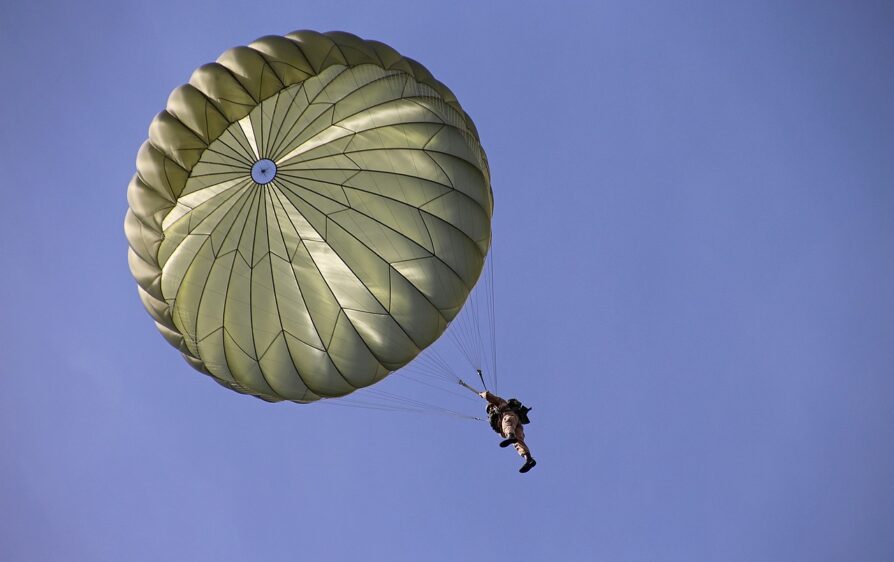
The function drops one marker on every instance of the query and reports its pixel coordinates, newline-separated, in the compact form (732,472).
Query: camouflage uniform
(509,424)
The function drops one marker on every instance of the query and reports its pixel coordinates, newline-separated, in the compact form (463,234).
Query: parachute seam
(294,174)
(329,111)
(247,193)
(437,87)
(141,222)
(335,325)
(177,294)
(451,224)
(441,123)
(389,75)
(384,78)
(276,144)
(242,153)
(335,37)
(336,47)
(341,309)
(238,170)
(285,169)
(347,207)
(278,310)
(237,81)
(310,102)
(340,314)
(238,134)
(274,138)
(309,314)
(164,167)
(270,62)
(390,268)
(348,318)
(297,283)
(485,177)
(358,188)
(430,254)
(208,104)
(251,282)
(188,214)
(291,135)
(202,294)
(260,106)
(191,132)
(224,312)
(355,133)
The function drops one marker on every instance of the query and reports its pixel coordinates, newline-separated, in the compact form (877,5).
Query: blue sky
(694,233)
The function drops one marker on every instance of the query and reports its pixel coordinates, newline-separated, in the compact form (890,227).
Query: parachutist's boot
(509,440)
(529,464)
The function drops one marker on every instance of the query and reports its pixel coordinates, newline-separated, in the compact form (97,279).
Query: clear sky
(694,231)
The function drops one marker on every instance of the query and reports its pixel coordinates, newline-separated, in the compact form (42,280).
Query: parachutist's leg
(523,450)
(529,464)
(508,425)
(511,440)
(520,444)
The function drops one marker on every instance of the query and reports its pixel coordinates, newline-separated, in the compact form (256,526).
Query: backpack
(520,410)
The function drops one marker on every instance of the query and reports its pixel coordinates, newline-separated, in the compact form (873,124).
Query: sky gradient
(694,242)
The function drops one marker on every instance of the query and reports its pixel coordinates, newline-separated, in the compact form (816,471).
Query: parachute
(309,213)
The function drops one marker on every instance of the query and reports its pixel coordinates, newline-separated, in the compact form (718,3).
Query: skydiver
(505,420)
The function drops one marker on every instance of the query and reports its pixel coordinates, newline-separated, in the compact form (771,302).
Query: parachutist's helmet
(491,408)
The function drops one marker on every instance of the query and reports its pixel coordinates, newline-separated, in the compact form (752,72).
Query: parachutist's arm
(492,398)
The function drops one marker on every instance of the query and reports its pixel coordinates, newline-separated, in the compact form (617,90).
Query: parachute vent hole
(263,171)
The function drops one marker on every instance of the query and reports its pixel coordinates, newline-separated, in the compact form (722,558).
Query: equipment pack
(520,410)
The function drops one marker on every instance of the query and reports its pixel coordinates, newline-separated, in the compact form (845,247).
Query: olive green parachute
(308,214)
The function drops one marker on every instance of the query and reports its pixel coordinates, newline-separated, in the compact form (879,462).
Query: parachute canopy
(308,214)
